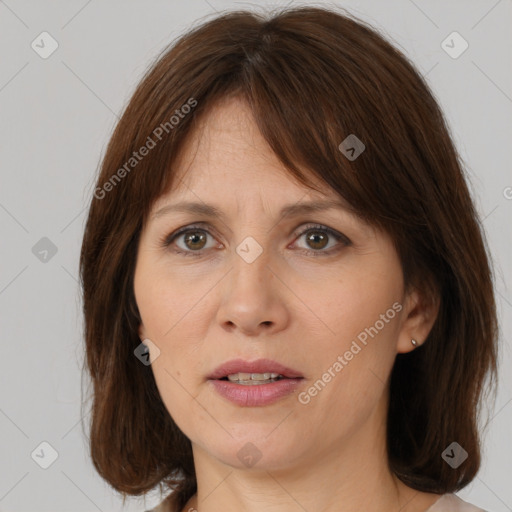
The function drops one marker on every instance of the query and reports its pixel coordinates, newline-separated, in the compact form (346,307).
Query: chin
(256,449)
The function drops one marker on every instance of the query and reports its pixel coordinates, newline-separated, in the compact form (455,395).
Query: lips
(257,366)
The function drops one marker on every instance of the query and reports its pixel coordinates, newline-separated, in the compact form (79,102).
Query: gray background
(56,118)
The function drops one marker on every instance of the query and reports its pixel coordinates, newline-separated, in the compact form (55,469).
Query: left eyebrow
(291,210)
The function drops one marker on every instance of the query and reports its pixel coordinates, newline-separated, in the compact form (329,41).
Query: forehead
(226,155)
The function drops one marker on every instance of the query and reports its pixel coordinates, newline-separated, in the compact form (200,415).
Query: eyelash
(169,239)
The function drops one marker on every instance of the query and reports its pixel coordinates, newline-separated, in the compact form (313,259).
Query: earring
(414,342)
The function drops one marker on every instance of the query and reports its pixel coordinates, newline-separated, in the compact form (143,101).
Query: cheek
(169,306)
(351,367)
(166,300)
(178,398)
(355,354)
(347,305)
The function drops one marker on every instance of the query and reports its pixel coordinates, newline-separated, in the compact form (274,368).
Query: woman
(288,298)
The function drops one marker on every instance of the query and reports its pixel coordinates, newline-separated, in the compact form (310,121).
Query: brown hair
(311,76)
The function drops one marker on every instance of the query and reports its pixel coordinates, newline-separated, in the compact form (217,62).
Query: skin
(297,308)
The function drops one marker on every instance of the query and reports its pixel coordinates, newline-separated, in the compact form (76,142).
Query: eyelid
(338,236)
(169,239)
(203,226)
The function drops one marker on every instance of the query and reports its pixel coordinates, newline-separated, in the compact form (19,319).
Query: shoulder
(452,503)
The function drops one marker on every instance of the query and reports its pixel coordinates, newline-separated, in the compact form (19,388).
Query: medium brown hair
(311,76)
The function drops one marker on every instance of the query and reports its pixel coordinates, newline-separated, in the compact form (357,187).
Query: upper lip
(257,366)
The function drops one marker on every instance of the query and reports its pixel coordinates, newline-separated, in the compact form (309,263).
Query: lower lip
(255,395)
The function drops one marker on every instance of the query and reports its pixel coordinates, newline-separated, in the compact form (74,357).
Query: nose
(253,298)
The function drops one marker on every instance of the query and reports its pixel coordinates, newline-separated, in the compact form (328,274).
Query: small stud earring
(414,342)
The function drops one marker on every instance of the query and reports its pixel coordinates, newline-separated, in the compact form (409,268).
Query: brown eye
(317,239)
(190,241)
(195,240)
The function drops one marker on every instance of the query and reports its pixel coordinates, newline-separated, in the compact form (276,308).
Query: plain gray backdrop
(57,113)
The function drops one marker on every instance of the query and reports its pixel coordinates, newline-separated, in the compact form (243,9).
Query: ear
(419,315)
(142,332)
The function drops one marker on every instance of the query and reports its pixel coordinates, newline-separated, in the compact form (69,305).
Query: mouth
(250,373)
(254,383)
(253,379)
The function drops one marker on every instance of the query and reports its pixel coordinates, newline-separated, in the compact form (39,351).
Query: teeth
(235,377)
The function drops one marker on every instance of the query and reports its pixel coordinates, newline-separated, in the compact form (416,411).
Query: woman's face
(254,283)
